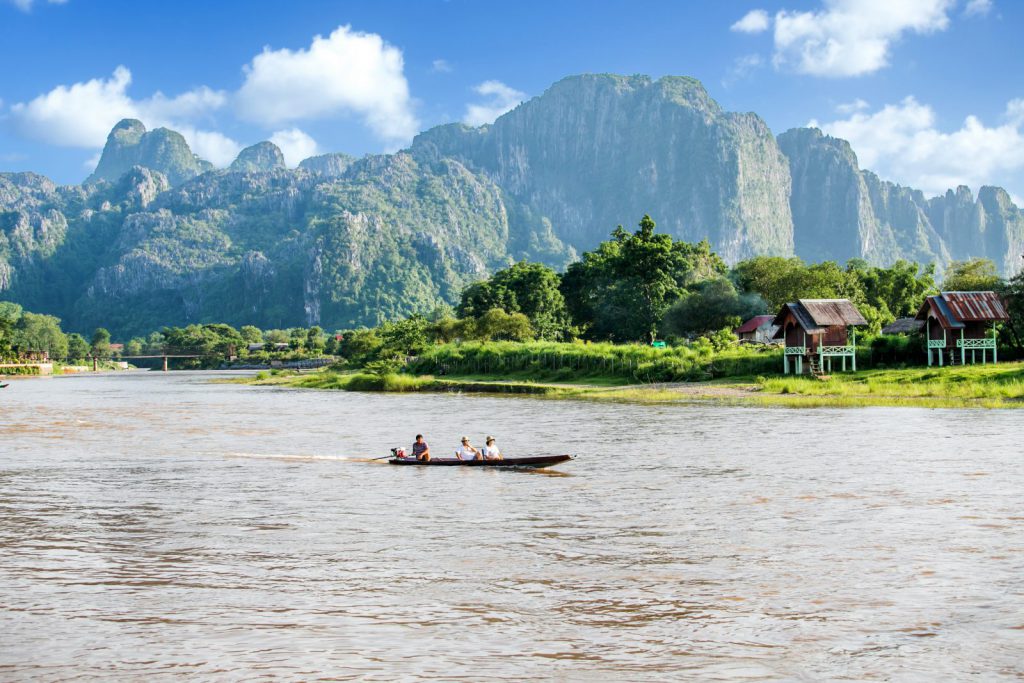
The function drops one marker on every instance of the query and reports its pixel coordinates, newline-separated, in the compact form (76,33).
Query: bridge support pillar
(165,363)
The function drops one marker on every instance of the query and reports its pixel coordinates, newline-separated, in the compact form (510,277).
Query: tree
(712,305)
(78,348)
(898,290)
(9,315)
(251,334)
(404,337)
(276,336)
(973,275)
(100,345)
(315,340)
(1013,294)
(40,333)
(621,290)
(135,346)
(527,288)
(360,346)
(496,324)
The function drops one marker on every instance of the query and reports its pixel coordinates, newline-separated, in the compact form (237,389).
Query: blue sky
(930,92)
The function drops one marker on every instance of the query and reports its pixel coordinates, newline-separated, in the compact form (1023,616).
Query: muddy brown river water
(157,526)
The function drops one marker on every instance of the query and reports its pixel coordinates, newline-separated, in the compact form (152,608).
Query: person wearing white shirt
(467,452)
(491,451)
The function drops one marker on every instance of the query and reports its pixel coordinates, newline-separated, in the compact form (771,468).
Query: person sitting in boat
(467,452)
(420,449)
(491,451)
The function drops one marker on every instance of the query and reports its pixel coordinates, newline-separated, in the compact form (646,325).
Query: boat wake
(293,456)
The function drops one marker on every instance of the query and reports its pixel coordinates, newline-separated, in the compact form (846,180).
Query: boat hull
(535,461)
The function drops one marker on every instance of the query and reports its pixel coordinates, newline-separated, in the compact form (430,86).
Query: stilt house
(817,332)
(958,325)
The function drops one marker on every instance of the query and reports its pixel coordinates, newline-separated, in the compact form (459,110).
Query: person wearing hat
(467,452)
(491,451)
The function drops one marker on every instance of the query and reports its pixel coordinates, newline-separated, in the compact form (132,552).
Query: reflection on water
(157,525)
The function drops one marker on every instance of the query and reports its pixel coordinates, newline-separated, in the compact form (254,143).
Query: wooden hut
(904,326)
(964,321)
(818,331)
(757,329)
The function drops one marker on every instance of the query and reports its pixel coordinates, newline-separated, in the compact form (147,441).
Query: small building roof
(815,315)
(753,324)
(953,309)
(903,326)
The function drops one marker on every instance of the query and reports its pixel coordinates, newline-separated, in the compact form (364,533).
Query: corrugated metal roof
(976,306)
(753,324)
(831,312)
(953,309)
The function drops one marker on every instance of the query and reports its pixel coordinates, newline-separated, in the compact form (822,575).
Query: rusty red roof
(753,324)
(953,309)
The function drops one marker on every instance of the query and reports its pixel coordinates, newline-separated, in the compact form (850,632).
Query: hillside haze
(156,236)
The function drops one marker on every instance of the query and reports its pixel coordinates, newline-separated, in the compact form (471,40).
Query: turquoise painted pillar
(963,351)
(995,344)
(928,338)
(853,339)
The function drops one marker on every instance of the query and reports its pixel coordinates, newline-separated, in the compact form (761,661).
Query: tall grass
(553,361)
(1003,382)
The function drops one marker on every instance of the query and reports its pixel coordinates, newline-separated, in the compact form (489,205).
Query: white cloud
(26,5)
(440,66)
(502,99)
(977,8)
(852,37)
(295,144)
(741,68)
(349,71)
(1015,111)
(754,21)
(850,107)
(217,148)
(82,114)
(901,142)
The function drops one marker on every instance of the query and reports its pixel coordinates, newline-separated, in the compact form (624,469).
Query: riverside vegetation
(587,332)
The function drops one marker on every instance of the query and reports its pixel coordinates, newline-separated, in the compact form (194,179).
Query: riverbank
(983,386)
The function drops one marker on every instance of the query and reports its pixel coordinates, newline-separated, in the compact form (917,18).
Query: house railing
(796,350)
(837,350)
(983,343)
(936,343)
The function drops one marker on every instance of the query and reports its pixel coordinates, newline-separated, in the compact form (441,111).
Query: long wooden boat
(3,386)
(534,461)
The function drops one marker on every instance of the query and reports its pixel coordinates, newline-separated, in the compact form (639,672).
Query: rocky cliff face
(596,151)
(334,164)
(157,237)
(163,150)
(263,156)
(841,211)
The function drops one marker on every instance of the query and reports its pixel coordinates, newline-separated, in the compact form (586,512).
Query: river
(158,526)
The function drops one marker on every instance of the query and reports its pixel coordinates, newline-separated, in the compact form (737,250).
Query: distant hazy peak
(263,156)
(163,150)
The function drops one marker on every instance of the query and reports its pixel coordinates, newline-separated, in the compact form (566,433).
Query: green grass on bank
(964,385)
(983,386)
